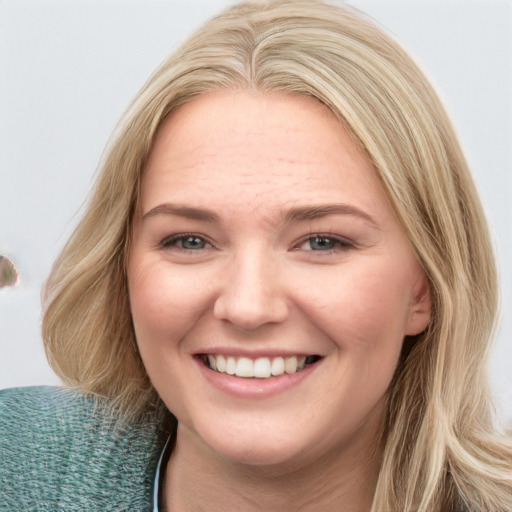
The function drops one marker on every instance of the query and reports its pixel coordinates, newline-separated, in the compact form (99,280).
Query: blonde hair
(441,448)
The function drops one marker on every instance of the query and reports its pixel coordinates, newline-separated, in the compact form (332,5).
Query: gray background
(68,69)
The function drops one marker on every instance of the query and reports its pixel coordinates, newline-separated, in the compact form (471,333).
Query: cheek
(359,306)
(164,303)
(165,308)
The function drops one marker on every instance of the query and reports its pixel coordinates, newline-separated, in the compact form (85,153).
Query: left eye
(323,243)
(186,242)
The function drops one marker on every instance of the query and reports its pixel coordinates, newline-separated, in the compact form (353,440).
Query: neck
(200,480)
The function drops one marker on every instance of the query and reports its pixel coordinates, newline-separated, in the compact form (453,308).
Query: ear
(420,307)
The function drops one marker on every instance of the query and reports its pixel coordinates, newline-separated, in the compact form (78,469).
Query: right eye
(186,242)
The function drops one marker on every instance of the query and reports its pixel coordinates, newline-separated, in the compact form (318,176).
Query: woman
(284,277)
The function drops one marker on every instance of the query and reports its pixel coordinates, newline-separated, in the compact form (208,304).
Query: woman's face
(264,245)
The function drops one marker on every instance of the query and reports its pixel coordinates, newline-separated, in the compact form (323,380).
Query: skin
(273,267)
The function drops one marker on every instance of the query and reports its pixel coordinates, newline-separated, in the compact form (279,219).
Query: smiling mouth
(260,368)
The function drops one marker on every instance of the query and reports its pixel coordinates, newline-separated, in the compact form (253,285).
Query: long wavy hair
(441,447)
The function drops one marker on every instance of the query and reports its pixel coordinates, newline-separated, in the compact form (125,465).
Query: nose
(251,294)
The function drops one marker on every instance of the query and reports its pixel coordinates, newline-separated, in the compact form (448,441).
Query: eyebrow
(317,211)
(297,214)
(182,211)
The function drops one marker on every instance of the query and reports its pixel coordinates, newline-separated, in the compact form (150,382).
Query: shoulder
(42,402)
(62,449)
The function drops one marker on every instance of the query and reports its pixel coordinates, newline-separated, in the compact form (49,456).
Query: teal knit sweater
(62,450)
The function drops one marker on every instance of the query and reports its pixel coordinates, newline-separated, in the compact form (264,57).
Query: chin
(259,446)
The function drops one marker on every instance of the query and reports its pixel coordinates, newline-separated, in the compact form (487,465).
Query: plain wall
(68,69)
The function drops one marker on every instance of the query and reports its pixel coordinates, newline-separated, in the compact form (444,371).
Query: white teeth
(261,368)
(211,361)
(290,365)
(231,365)
(220,363)
(244,367)
(277,366)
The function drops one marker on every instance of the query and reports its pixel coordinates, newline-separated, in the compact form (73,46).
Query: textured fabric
(62,450)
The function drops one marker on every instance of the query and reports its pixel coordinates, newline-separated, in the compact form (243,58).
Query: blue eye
(186,242)
(324,243)
(192,242)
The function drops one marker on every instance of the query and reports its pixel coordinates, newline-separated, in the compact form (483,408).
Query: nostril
(8,273)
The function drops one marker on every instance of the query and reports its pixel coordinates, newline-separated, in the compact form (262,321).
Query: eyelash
(340,243)
(172,241)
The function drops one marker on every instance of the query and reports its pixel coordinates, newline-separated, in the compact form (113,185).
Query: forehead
(257,149)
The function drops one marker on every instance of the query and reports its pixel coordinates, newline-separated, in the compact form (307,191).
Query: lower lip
(254,388)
